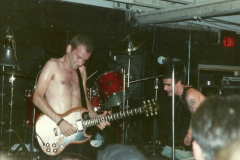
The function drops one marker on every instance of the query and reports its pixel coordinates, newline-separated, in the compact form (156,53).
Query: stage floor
(22,156)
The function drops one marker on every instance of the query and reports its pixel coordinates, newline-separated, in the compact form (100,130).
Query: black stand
(10,131)
(127,123)
(33,133)
(154,119)
(2,95)
(173,111)
(141,144)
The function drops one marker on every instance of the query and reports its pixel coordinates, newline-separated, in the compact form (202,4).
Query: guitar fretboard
(112,117)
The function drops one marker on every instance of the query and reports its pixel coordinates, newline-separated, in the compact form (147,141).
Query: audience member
(215,125)
(71,156)
(229,152)
(120,152)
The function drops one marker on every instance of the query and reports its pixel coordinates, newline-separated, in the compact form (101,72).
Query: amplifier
(235,79)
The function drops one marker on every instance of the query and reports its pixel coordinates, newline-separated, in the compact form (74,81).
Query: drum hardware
(10,131)
(92,74)
(129,44)
(11,73)
(111,89)
(2,95)
(94,97)
(17,73)
(154,118)
(144,79)
(8,57)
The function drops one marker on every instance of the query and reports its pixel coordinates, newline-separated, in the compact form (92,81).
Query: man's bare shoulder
(52,63)
(193,93)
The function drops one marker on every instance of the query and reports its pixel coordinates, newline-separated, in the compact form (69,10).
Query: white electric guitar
(53,142)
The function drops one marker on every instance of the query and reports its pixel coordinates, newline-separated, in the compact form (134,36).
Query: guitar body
(49,135)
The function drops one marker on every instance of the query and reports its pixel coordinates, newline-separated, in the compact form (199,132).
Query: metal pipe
(173,111)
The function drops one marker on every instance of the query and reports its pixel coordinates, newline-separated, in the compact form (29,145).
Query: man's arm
(92,113)
(194,99)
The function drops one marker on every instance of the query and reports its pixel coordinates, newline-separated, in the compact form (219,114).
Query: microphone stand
(173,112)
(154,119)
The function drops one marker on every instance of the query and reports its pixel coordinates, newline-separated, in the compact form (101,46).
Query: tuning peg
(156,106)
(147,114)
(144,102)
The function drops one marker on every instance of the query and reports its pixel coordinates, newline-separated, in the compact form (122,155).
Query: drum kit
(111,89)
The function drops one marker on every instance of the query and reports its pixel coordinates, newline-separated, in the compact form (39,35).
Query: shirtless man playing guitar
(58,90)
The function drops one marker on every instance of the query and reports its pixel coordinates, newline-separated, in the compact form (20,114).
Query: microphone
(162,60)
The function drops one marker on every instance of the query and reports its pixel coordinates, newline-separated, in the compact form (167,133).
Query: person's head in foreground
(71,156)
(120,152)
(215,125)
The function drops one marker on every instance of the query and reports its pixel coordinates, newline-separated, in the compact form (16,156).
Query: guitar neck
(112,117)
(149,107)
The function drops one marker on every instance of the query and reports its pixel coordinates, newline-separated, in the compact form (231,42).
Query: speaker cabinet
(210,90)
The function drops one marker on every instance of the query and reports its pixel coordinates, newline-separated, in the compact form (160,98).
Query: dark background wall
(42,28)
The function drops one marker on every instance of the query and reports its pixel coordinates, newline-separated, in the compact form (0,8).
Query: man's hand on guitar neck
(66,128)
(103,124)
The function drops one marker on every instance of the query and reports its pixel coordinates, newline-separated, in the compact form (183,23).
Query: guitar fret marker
(116,116)
(110,118)
(96,121)
(102,119)
(122,114)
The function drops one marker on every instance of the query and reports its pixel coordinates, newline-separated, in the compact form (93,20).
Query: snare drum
(111,89)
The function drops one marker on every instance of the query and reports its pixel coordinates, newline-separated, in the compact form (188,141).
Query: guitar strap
(83,98)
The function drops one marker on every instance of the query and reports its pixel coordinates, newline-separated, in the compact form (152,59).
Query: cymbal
(17,73)
(9,63)
(131,43)
(56,42)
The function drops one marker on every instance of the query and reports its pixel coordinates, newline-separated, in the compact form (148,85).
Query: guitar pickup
(57,131)
(79,125)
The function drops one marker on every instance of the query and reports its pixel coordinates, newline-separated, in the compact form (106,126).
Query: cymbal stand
(154,118)
(10,131)
(2,94)
(126,126)
(124,95)
(33,132)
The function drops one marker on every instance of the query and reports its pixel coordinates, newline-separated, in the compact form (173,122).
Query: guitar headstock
(151,107)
